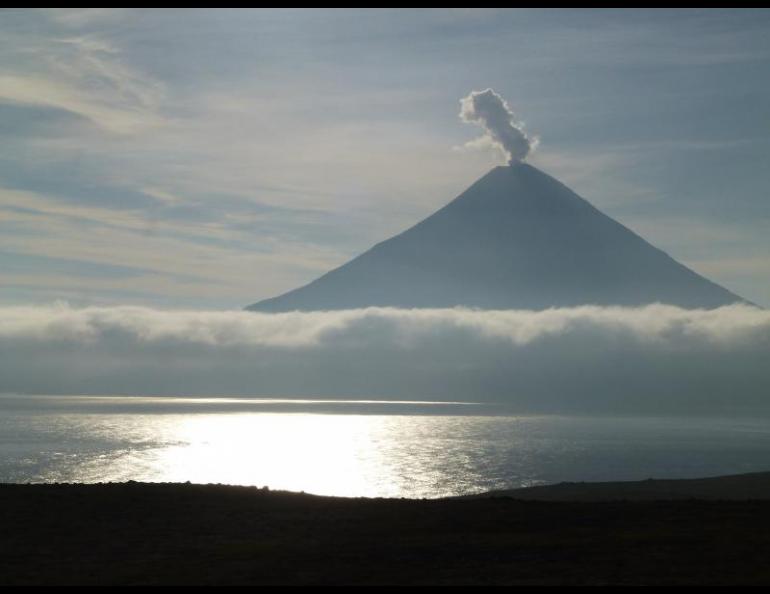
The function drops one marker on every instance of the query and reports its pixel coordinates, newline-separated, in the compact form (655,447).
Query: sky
(206,158)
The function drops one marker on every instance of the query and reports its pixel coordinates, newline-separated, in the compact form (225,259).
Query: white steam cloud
(501,128)
(653,359)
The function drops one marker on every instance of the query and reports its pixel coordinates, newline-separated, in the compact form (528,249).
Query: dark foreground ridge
(194,534)
(738,487)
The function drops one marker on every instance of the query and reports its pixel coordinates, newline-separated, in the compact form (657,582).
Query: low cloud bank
(654,359)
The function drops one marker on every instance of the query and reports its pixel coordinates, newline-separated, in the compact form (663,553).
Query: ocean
(362,448)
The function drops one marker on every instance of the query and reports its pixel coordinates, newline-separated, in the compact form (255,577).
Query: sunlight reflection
(318,453)
(345,455)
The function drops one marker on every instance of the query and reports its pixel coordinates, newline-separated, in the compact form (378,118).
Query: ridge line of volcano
(515,239)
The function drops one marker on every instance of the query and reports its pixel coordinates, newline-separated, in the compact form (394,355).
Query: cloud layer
(501,128)
(655,359)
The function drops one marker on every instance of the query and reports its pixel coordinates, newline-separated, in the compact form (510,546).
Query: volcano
(515,239)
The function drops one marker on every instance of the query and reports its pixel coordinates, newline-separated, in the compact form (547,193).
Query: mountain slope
(516,239)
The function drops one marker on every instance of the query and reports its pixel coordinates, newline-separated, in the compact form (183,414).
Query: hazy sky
(211,158)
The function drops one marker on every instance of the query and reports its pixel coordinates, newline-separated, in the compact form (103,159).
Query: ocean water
(373,449)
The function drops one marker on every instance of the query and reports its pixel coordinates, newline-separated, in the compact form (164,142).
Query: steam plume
(501,128)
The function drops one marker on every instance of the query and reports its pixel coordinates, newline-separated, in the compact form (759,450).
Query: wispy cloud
(82,17)
(209,257)
(83,75)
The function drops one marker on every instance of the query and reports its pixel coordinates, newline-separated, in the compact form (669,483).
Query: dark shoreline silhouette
(137,533)
(736,487)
